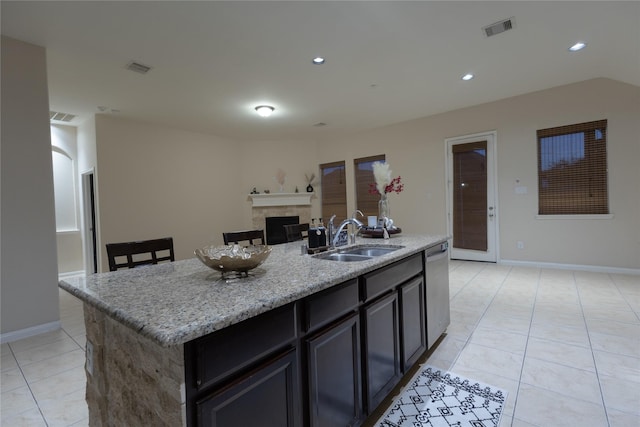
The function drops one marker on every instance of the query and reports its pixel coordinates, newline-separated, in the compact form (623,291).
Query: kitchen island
(303,340)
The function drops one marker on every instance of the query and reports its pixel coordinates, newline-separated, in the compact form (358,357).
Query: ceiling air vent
(138,67)
(499,27)
(61,117)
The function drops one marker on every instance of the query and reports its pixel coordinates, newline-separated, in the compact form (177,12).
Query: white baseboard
(577,267)
(29,332)
(71,274)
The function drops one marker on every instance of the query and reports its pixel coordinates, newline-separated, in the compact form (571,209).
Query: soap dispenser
(313,238)
(322,234)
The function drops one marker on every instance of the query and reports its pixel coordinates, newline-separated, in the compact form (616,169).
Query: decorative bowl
(233,258)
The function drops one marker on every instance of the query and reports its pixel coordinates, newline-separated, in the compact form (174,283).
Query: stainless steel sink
(344,257)
(371,251)
(358,253)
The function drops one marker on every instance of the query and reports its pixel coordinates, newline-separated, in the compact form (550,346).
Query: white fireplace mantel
(280,199)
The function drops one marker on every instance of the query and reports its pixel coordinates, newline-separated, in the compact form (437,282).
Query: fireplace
(275,228)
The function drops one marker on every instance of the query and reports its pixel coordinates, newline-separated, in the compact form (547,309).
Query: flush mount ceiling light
(578,46)
(265,110)
(468,76)
(318,60)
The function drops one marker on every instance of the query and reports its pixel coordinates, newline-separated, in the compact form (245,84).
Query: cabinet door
(381,348)
(438,314)
(267,396)
(412,322)
(334,373)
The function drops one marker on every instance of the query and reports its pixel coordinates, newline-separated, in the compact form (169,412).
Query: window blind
(572,169)
(334,191)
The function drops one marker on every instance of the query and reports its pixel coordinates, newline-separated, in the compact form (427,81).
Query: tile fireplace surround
(292,205)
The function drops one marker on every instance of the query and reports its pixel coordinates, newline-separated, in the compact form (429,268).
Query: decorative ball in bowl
(233,258)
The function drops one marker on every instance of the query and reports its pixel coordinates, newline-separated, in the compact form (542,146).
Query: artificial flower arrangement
(384,184)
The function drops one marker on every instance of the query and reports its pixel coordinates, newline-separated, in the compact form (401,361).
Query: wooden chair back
(138,250)
(246,235)
(294,232)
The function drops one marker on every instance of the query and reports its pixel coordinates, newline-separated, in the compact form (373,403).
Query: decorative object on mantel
(234,258)
(280,179)
(384,185)
(266,191)
(309,181)
(254,191)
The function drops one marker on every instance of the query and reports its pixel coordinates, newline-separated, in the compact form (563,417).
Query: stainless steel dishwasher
(437,274)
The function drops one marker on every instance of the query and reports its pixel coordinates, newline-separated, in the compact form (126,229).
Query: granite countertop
(173,303)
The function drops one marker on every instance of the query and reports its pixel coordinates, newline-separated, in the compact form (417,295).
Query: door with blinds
(471,208)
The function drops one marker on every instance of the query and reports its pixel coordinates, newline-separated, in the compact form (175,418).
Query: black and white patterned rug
(433,399)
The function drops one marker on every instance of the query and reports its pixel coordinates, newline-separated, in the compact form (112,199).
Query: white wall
(88,163)
(69,241)
(158,182)
(261,161)
(416,150)
(28,235)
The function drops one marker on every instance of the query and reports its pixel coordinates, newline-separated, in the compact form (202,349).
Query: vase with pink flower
(384,185)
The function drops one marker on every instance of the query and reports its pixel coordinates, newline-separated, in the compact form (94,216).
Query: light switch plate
(521,189)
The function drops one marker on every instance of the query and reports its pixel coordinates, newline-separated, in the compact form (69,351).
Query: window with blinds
(334,191)
(572,169)
(365,201)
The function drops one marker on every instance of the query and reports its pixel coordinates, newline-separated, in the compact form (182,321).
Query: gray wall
(29,288)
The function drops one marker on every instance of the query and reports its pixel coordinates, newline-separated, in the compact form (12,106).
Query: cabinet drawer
(330,304)
(223,353)
(386,278)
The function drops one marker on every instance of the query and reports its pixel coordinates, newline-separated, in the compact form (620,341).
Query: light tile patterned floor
(43,379)
(565,344)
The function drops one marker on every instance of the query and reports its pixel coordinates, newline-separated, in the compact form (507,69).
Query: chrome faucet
(353,220)
(331,229)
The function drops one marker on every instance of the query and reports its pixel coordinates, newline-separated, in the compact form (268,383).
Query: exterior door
(471,210)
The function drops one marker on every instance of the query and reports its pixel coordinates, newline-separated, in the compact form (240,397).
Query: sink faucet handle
(331,230)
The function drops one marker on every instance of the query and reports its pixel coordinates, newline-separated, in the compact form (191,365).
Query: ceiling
(386,62)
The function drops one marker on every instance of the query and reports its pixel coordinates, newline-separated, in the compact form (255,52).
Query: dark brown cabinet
(327,360)
(334,375)
(246,374)
(381,348)
(266,396)
(393,324)
(412,321)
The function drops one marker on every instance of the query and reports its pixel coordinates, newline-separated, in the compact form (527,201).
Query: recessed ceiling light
(467,77)
(318,60)
(265,110)
(578,46)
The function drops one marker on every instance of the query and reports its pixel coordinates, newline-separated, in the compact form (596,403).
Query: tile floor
(564,344)
(43,380)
